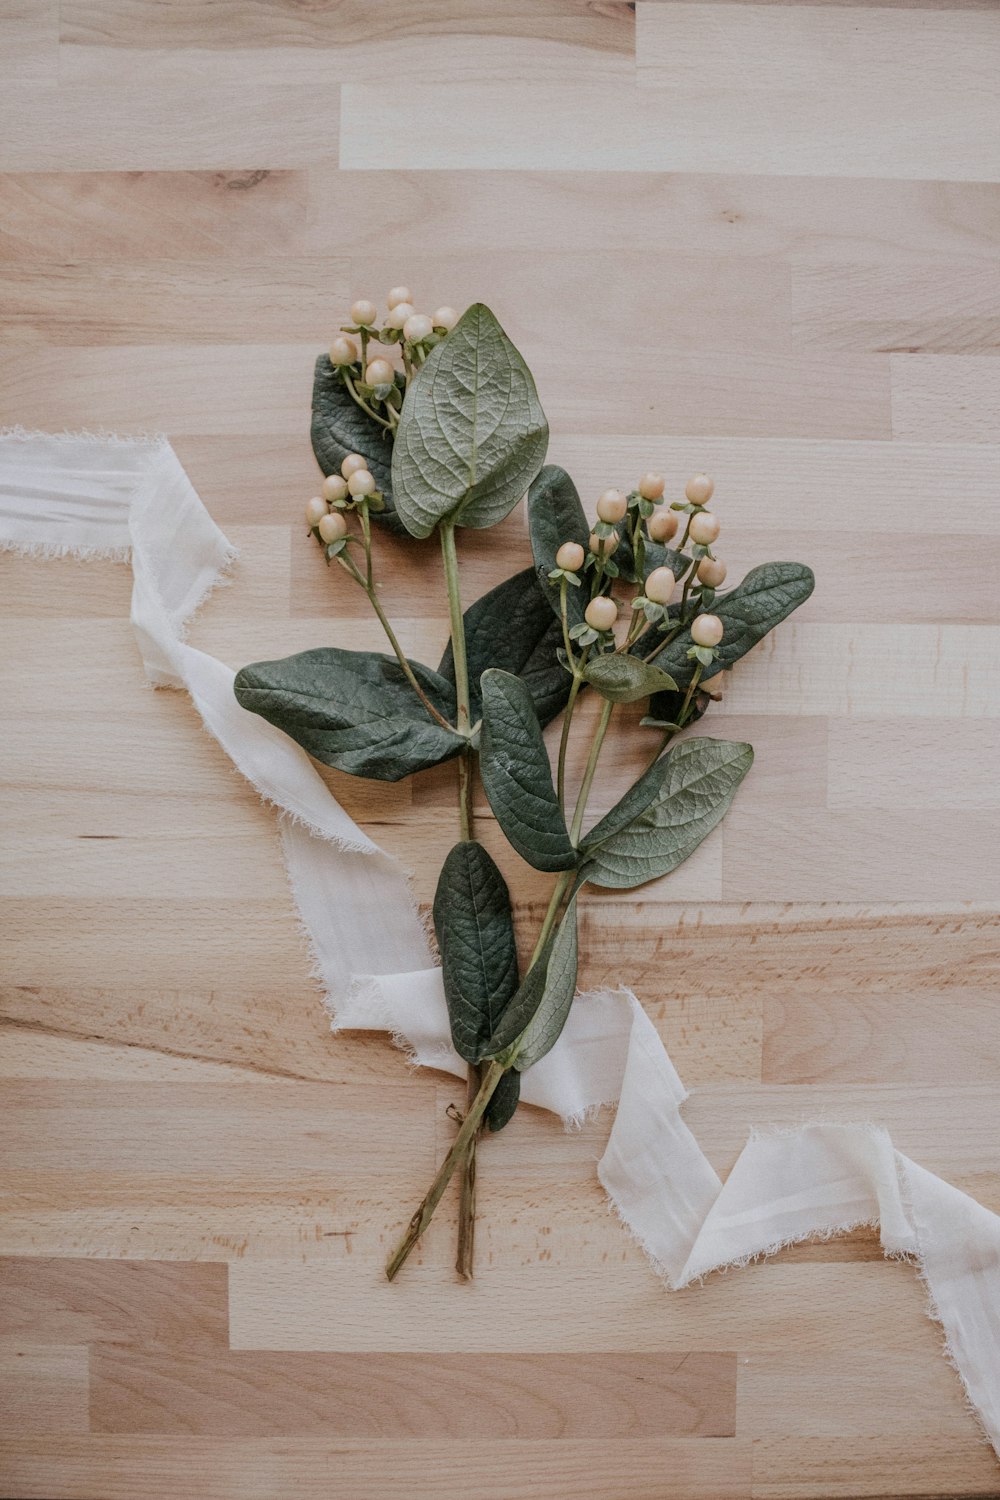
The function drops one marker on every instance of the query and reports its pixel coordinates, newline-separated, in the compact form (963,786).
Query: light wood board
(759,239)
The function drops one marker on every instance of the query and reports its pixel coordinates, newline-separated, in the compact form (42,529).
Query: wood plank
(69,1302)
(885,1467)
(951,309)
(946,399)
(45,1389)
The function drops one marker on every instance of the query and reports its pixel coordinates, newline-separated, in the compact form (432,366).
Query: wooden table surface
(755,239)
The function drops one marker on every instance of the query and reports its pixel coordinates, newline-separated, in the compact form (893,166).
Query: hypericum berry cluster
(643,521)
(354,488)
(375,383)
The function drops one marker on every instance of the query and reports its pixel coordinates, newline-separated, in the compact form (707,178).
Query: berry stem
(389,426)
(591,767)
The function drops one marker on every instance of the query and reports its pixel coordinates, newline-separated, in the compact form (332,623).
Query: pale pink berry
(651,485)
(612,506)
(352,463)
(707,630)
(570,557)
(379,372)
(711,572)
(361,482)
(446,318)
(417,328)
(333,528)
(363,313)
(704,528)
(397,295)
(334,488)
(315,510)
(699,489)
(399,314)
(603,546)
(659,586)
(601,613)
(343,351)
(662,525)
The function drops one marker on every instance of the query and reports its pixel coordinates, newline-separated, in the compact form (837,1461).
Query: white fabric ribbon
(109,497)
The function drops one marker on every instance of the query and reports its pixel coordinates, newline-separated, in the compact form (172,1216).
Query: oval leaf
(533,1020)
(501,1108)
(625,679)
(340,427)
(472,434)
(699,782)
(517,777)
(512,628)
(475,933)
(555,515)
(354,710)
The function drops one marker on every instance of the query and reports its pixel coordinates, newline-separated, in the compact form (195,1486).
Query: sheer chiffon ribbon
(110,497)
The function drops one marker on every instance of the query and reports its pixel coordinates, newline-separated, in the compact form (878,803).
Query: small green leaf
(512,627)
(475,933)
(517,777)
(354,710)
(472,435)
(625,679)
(700,779)
(555,515)
(340,427)
(766,596)
(537,1014)
(501,1108)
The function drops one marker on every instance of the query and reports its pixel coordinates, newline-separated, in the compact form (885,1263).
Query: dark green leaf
(472,435)
(475,933)
(555,515)
(537,1014)
(654,555)
(700,779)
(625,679)
(766,596)
(517,777)
(512,627)
(340,427)
(354,710)
(500,1110)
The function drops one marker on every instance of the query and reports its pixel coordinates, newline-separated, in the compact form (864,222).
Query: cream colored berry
(704,528)
(364,313)
(315,510)
(612,506)
(699,489)
(361,483)
(333,528)
(707,630)
(570,557)
(601,613)
(397,295)
(343,351)
(417,328)
(352,463)
(711,572)
(659,586)
(662,525)
(651,485)
(399,315)
(334,488)
(603,546)
(379,372)
(446,318)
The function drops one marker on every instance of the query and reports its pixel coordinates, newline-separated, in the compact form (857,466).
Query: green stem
(364,404)
(591,767)
(574,693)
(460,1146)
(459,657)
(548,922)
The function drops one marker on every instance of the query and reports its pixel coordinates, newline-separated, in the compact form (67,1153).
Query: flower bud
(570,557)
(397,295)
(711,572)
(379,372)
(662,525)
(659,586)
(704,528)
(417,328)
(343,351)
(334,488)
(445,317)
(651,485)
(364,314)
(315,510)
(352,463)
(361,482)
(399,314)
(333,528)
(707,630)
(601,613)
(603,546)
(612,506)
(699,489)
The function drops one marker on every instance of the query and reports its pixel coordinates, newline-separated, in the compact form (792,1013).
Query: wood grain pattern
(755,238)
